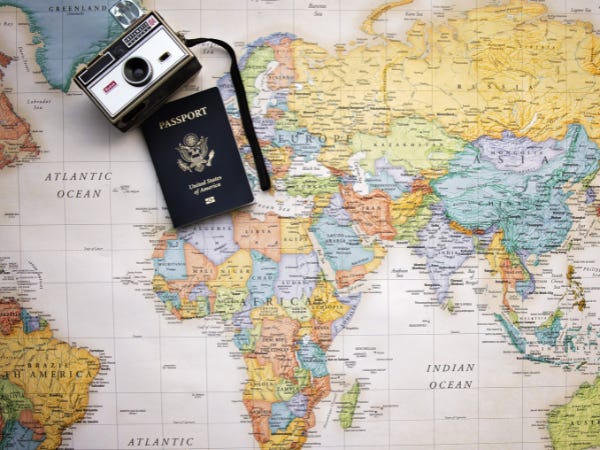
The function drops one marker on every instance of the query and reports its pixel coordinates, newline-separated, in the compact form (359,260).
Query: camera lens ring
(137,71)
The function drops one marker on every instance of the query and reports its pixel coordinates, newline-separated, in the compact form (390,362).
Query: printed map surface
(424,273)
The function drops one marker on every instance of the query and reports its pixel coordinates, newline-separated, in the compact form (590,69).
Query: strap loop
(240,92)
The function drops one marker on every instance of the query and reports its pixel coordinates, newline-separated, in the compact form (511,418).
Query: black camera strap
(240,92)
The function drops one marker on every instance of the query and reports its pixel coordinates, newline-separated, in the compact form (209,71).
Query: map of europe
(423,273)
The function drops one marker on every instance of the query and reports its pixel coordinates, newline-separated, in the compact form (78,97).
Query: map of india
(424,272)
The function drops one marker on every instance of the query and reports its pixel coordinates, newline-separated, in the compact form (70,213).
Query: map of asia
(423,274)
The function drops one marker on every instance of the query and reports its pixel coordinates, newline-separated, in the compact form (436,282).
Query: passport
(196,158)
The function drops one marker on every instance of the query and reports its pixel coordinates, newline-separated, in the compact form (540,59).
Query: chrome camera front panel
(137,72)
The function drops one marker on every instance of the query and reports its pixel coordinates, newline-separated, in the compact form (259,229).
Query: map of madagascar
(478,136)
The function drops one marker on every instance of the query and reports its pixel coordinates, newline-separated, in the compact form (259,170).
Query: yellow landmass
(271,310)
(324,305)
(417,145)
(379,253)
(496,253)
(406,207)
(574,426)
(159,284)
(294,437)
(234,273)
(294,236)
(54,376)
(321,201)
(368,24)
(262,382)
(507,67)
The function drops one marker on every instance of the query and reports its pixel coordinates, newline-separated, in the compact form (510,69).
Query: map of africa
(424,273)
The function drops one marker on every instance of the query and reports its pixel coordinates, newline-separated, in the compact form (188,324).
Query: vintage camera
(135,74)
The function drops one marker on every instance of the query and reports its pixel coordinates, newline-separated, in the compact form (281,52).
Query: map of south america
(44,382)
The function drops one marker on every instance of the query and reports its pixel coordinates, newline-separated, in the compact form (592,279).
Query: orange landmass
(420,185)
(370,212)
(263,236)
(4,61)
(275,113)
(28,421)
(10,315)
(260,412)
(317,391)
(16,141)
(345,278)
(458,227)
(283,75)
(510,274)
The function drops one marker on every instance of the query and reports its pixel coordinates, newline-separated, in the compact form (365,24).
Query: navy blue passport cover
(196,158)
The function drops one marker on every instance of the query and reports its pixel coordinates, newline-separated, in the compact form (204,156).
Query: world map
(423,273)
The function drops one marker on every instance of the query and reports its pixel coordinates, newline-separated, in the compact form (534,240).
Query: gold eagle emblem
(194,153)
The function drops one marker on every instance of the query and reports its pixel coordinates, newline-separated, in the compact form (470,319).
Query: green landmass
(349,401)
(576,425)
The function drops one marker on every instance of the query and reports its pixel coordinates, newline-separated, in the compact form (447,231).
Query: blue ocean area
(70,34)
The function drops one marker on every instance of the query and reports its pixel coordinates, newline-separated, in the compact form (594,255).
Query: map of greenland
(70,34)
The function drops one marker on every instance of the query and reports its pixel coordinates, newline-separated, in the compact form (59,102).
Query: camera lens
(137,71)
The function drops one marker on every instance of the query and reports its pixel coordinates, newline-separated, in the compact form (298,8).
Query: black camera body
(135,74)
